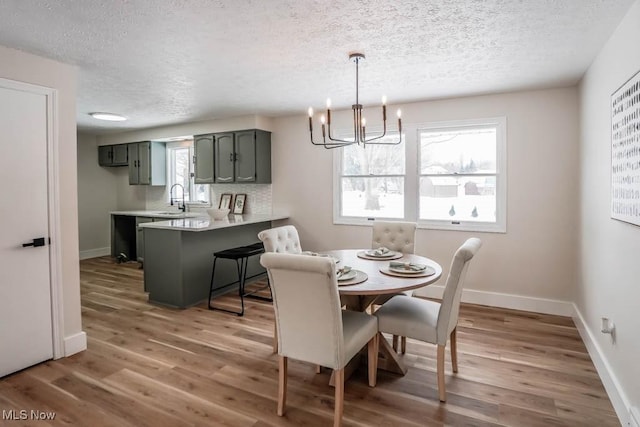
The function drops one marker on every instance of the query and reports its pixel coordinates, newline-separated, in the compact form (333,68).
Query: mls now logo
(23,414)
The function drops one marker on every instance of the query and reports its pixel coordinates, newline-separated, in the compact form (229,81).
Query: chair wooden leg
(339,397)
(454,351)
(440,371)
(403,345)
(395,343)
(318,369)
(275,338)
(282,385)
(373,360)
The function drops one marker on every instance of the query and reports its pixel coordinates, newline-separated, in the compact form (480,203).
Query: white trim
(53,192)
(497,299)
(94,253)
(55,247)
(618,397)
(75,344)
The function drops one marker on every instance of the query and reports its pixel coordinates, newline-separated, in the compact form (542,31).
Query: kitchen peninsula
(179,255)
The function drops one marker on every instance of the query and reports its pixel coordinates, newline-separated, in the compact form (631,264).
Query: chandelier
(359,122)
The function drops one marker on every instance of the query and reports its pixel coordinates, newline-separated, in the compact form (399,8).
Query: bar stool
(241,256)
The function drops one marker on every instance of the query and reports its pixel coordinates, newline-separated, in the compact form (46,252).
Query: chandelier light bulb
(322,120)
(384,99)
(328,103)
(364,122)
(310,112)
(399,113)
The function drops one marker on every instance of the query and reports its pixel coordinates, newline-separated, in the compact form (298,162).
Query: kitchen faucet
(182,207)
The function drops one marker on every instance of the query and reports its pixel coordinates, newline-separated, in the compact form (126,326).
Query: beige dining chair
(394,235)
(284,239)
(397,236)
(431,321)
(311,325)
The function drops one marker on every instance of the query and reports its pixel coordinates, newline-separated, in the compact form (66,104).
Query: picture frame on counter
(238,205)
(225,201)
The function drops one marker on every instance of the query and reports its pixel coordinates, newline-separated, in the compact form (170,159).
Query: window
(180,171)
(461,181)
(371,181)
(453,175)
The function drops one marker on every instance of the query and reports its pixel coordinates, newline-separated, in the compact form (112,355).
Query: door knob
(35,243)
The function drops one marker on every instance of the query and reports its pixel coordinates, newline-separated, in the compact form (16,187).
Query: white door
(26,336)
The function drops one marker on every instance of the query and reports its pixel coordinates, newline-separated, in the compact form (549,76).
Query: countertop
(205,223)
(161,214)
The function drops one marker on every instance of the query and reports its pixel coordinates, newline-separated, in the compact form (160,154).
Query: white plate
(405,270)
(348,276)
(373,254)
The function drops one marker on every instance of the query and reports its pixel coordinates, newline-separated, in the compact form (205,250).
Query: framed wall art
(625,151)
(225,201)
(238,206)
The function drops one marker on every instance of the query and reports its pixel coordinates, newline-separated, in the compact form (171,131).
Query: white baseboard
(94,253)
(618,398)
(497,299)
(75,344)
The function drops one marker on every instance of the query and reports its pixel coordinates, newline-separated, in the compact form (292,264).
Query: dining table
(374,279)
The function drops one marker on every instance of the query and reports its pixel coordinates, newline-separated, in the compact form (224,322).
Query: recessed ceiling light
(108,116)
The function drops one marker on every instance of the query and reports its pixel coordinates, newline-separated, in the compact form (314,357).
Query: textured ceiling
(170,61)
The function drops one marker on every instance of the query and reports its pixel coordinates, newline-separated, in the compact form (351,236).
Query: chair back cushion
(283,239)
(395,235)
(307,308)
(450,306)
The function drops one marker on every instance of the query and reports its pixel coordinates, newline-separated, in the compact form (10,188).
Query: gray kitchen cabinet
(224,157)
(147,163)
(140,236)
(113,155)
(243,157)
(203,148)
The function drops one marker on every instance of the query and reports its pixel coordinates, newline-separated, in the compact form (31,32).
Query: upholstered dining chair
(394,235)
(431,321)
(311,325)
(284,239)
(397,236)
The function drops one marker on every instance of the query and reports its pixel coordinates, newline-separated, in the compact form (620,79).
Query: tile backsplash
(259,199)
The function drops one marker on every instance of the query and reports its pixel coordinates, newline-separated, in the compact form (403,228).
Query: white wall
(15,65)
(609,270)
(535,258)
(97,196)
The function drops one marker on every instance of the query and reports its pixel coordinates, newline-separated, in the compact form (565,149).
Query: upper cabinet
(113,155)
(203,161)
(243,157)
(147,163)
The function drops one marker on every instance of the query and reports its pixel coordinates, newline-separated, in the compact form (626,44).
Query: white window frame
(500,225)
(411,135)
(171,172)
(337,182)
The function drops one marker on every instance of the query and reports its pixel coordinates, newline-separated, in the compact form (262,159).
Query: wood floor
(152,366)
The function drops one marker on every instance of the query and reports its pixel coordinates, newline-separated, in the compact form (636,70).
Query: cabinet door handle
(235,156)
(231,157)
(194,160)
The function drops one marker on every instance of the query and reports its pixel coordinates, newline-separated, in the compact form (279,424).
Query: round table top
(379,283)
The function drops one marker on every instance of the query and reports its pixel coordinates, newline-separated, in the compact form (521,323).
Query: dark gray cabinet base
(177,264)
